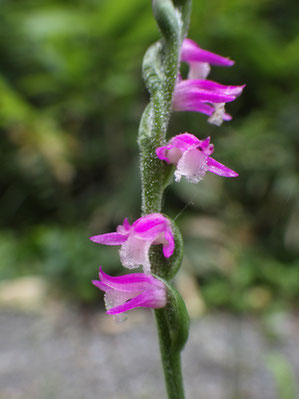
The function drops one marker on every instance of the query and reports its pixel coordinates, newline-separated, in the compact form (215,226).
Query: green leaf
(176,322)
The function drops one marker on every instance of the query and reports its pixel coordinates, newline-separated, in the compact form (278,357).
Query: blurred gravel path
(83,355)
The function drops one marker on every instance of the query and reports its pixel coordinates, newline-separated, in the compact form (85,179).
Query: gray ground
(68,354)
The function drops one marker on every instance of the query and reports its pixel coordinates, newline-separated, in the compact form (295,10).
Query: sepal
(177,319)
(167,268)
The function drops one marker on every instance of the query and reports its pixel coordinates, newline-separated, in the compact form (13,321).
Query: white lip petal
(193,166)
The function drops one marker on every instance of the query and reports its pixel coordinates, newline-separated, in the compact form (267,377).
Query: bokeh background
(71,96)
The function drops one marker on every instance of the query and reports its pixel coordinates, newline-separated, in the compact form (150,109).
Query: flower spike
(192,158)
(123,293)
(137,239)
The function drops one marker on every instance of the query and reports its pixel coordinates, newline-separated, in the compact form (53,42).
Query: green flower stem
(160,69)
(171,360)
(173,328)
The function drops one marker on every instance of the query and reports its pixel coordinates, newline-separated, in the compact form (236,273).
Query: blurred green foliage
(71,95)
(284,376)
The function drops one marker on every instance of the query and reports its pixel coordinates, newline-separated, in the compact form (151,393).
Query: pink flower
(199,60)
(198,94)
(194,94)
(130,291)
(192,158)
(136,240)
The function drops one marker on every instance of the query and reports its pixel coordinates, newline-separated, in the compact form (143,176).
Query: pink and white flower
(130,291)
(192,158)
(194,94)
(136,239)
(198,94)
(199,60)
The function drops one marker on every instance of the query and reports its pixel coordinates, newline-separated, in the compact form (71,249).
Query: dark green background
(71,96)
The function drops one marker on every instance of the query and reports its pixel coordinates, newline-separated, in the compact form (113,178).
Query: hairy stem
(171,360)
(160,69)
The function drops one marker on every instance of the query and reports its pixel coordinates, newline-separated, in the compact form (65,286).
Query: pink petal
(197,106)
(101,286)
(148,299)
(161,153)
(168,247)
(114,299)
(214,86)
(109,239)
(131,304)
(185,141)
(206,147)
(124,229)
(126,224)
(149,226)
(177,145)
(187,91)
(174,154)
(219,169)
(203,108)
(200,107)
(227,117)
(192,52)
(123,293)
(134,282)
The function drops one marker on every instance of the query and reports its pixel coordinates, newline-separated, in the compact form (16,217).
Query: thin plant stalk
(160,69)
